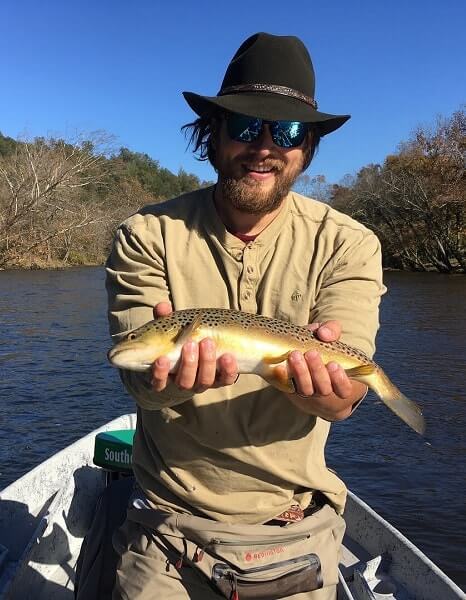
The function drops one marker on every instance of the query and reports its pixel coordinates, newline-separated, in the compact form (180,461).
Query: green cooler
(113,450)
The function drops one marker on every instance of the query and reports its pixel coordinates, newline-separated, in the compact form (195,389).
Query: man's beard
(247,195)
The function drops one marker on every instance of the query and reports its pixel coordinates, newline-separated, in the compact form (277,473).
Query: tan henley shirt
(242,453)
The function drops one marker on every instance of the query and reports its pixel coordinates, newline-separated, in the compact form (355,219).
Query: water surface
(56,385)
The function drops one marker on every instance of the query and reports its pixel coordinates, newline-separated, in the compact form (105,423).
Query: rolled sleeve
(136,282)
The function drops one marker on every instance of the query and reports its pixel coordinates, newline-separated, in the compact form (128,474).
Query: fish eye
(131,336)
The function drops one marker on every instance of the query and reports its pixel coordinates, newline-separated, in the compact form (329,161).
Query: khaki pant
(147,570)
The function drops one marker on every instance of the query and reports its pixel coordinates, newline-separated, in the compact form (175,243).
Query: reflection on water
(56,385)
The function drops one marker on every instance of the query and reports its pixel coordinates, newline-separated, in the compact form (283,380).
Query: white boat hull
(45,514)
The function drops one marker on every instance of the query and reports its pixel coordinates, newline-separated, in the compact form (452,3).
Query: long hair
(200,132)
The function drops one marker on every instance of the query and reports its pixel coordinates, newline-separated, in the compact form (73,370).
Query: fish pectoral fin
(188,331)
(275,360)
(276,373)
(282,383)
(278,377)
(361,371)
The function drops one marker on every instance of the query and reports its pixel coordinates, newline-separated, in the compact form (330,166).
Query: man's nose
(264,141)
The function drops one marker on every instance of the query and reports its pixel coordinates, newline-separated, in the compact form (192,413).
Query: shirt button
(238,256)
(250,269)
(246,295)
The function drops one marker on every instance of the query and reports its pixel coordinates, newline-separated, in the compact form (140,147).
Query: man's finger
(160,370)
(341,384)
(162,309)
(207,365)
(299,371)
(329,331)
(227,370)
(187,371)
(320,377)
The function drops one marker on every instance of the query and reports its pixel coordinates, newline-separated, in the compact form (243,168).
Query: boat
(45,515)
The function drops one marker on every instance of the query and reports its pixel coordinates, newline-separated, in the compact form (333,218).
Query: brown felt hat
(270,77)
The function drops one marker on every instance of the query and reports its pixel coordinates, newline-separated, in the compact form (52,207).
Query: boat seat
(113,450)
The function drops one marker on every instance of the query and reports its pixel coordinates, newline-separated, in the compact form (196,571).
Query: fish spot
(214,318)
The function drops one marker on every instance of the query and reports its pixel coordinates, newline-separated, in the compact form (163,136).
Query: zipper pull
(234,593)
(199,554)
(179,562)
(200,551)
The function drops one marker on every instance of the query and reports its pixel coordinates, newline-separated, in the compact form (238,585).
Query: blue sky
(70,67)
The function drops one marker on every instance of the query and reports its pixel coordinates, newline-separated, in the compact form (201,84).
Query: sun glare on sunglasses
(285,134)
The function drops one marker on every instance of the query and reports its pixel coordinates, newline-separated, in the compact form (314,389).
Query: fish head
(141,348)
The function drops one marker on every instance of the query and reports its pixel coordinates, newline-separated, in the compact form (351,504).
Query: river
(56,385)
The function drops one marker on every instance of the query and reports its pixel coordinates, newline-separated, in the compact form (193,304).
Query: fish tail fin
(378,381)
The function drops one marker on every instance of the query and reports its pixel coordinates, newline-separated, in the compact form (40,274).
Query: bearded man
(233,496)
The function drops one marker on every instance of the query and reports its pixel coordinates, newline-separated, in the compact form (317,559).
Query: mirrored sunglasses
(285,134)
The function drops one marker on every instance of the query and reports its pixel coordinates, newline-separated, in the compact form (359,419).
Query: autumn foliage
(61,201)
(416,200)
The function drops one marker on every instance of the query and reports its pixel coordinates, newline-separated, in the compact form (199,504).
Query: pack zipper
(308,560)
(297,537)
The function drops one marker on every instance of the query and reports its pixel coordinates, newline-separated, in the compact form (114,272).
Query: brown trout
(261,346)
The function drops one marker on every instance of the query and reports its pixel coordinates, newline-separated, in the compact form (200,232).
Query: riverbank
(58,266)
(53,265)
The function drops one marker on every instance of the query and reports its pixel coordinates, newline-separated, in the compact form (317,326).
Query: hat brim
(265,105)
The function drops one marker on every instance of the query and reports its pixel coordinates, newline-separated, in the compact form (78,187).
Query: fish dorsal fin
(188,331)
(275,360)
(173,329)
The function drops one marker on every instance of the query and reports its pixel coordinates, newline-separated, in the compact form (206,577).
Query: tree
(7,145)
(40,187)
(314,187)
(61,201)
(416,201)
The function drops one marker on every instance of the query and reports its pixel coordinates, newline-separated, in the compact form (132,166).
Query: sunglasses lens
(289,134)
(242,128)
(286,134)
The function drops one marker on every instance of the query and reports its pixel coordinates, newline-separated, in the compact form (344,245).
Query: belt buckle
(292,515)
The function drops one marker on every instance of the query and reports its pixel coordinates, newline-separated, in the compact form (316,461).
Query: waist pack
(260,562)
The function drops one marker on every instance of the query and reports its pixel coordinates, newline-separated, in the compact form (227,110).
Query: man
(214,451)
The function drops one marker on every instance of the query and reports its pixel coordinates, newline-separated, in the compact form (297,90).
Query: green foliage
(157,180)
(7,145)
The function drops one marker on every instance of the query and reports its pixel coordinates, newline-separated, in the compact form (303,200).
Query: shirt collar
(215,227)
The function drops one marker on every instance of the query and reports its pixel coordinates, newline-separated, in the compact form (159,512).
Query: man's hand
(323,390)
(199,367)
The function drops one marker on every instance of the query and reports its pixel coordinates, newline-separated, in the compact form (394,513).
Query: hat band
(266,87)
